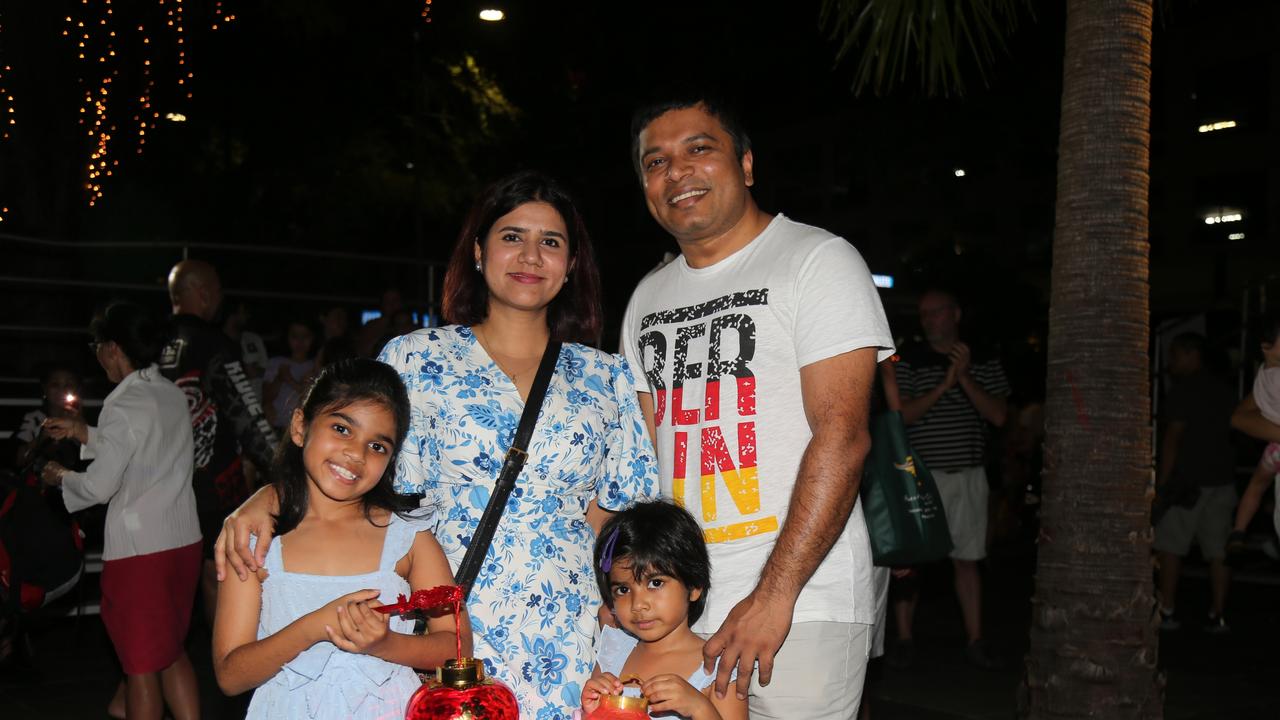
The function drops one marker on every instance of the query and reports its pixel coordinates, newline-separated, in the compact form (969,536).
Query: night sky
(362,128)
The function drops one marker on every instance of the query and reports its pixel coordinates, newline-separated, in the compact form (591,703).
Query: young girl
(303,628)
(654,574)
(1265,400)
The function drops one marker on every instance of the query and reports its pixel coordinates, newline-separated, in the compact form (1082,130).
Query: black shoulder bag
(511,467)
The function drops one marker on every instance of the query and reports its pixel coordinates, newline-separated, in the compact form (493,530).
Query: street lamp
(492,15)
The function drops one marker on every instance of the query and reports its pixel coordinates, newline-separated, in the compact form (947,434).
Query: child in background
(652,567)
(287,376)
(306,634)
(1265,400)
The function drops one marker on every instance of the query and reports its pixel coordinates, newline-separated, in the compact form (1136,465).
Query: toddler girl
(653,571)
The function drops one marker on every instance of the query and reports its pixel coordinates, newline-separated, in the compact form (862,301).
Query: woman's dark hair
(575,314)
(133,328)
(656,538)
(337,386)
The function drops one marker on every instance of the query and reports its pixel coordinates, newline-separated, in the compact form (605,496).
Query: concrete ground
(72,672)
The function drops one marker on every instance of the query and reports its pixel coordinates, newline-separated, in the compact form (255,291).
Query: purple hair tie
(606,553)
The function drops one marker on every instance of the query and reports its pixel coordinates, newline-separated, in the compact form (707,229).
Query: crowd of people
(745,589)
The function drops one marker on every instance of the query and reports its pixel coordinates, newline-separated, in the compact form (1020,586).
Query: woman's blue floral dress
(533,607)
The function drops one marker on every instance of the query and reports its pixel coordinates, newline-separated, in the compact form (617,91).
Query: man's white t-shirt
(721,348)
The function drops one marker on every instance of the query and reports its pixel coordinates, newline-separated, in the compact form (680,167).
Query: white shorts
(1208,523)
(880,580)
(817,674)
(964,501)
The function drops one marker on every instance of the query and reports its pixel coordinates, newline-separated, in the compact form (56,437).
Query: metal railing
(429,268)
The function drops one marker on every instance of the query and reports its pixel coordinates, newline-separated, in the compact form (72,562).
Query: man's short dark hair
(714,106)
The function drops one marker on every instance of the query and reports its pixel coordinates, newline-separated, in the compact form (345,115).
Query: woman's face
(525,257)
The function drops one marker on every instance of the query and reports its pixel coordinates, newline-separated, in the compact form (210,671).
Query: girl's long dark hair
(337,386)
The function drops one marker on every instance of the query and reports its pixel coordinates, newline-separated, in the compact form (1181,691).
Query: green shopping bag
(900,500)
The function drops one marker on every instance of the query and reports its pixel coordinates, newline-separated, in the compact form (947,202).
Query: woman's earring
(478,268)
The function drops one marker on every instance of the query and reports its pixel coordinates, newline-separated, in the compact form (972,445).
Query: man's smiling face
(694,183)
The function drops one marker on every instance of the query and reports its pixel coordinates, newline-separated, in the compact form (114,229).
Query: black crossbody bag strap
(511,467)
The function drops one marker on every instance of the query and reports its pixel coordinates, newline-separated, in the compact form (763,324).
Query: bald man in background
(227,417)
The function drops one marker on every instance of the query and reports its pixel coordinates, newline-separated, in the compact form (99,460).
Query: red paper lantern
(460,691)
(621,707)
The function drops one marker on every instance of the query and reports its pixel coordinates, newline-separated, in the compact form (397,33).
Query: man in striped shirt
(949,397)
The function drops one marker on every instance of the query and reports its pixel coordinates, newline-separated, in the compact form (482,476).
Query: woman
(143,457)
(521,274)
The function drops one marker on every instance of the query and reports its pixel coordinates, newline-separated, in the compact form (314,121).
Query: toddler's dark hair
(337,386)
(656,538)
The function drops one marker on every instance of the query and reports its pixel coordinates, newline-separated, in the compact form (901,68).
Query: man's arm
(1248,419)
(914,408)
(836,394)
(987,396)
(993,408)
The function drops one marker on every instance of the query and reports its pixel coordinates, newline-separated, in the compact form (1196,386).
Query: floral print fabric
(533,607)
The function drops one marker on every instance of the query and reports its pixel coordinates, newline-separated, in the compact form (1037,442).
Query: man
(759,345)
(1195,478)
(253,351)
(227,417)
(949,396)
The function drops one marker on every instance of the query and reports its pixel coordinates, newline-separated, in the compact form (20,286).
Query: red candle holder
(621,707)
(460,691)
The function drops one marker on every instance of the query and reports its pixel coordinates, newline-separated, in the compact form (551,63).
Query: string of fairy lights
(96,40)
(93,30)
(8,118)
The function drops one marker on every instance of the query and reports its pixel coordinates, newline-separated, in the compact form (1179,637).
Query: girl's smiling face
(652,606)
(346,449)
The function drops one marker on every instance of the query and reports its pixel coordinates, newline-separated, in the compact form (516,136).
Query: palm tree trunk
(1093,640)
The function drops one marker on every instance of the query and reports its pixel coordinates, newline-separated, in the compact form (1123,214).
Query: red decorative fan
(459,690)
(426,600)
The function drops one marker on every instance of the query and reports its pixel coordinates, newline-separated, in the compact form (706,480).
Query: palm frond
(933,36)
